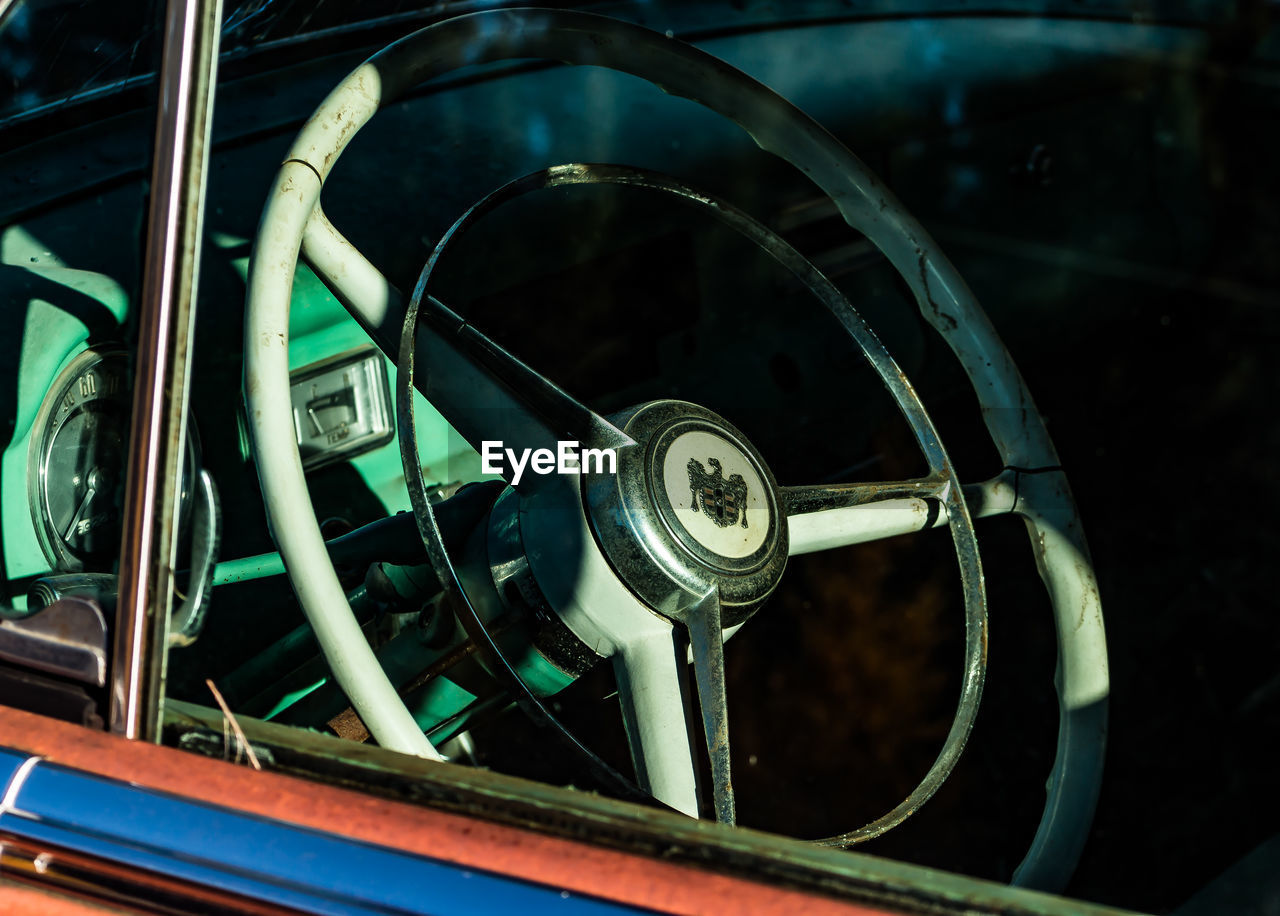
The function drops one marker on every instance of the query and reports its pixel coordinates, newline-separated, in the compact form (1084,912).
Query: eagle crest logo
(722,499)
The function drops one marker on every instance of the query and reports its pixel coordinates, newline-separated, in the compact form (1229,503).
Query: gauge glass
(76,467)
(341,407)
(82,435)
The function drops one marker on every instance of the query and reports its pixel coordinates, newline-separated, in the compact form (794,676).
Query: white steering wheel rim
(947,304)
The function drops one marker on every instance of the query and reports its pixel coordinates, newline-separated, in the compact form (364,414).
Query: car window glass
(71,237)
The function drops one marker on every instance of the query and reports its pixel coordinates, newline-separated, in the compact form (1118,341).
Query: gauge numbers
(341,407)
(79,449)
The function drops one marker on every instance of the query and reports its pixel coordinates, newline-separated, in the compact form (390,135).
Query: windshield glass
(54,51)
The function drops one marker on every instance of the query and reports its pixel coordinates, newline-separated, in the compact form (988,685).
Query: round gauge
(76,464)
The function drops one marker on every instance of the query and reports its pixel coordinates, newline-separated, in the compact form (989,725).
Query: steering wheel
(692,533)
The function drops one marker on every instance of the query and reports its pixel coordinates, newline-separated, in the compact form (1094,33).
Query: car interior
(624,238)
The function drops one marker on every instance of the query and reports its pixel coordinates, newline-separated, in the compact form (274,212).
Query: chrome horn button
(692,508)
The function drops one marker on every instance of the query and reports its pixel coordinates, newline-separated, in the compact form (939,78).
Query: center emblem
(723,500)
(715,497)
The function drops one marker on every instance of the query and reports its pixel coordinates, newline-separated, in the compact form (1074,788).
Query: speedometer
(76,463)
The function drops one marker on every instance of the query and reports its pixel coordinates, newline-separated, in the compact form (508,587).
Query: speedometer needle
(316,420)
(95,478)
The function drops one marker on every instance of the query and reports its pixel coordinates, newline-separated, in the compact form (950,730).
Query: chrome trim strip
(10,762)
(15,781)
(258,858)
(166,324)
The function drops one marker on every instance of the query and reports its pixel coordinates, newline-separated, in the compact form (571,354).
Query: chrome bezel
(381,422)
(50,419)
(630,517)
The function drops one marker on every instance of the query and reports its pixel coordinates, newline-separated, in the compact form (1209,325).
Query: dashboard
(1001,133)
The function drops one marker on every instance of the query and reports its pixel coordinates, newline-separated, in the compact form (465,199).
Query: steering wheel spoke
(486,393)
(489,394)
(651,672)
(824,497)
(824,517)
(706,640)
(653,684)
